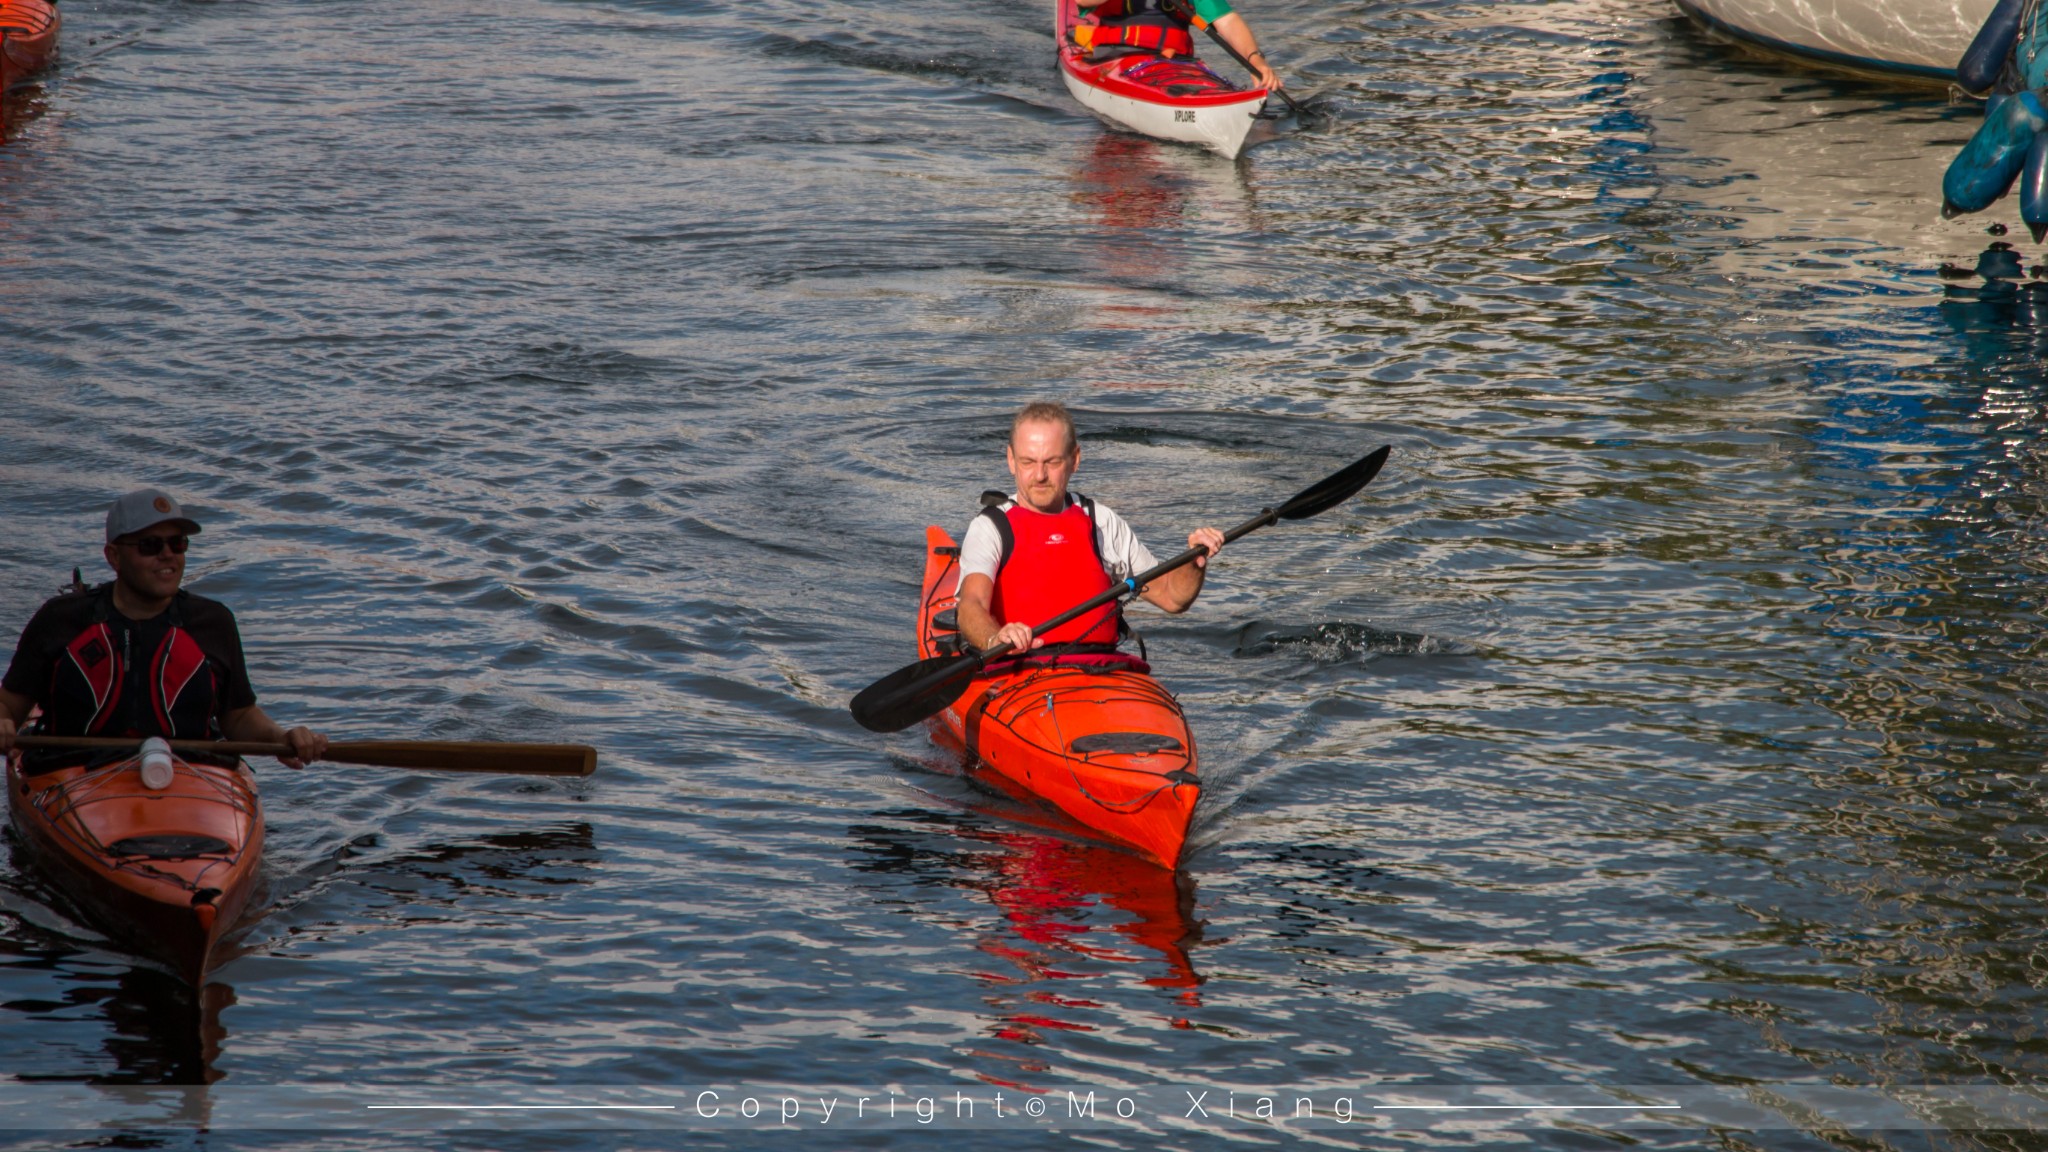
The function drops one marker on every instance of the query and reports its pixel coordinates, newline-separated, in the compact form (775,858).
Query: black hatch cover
(173,846)
(1128,743)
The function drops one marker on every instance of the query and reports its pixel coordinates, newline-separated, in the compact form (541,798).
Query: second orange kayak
(1106,745)
(164,864)
(28,38)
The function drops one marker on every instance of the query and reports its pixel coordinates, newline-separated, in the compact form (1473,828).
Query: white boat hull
(1918,37)
(1220,127)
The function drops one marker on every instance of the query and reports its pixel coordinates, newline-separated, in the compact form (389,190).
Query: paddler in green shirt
(1180,14)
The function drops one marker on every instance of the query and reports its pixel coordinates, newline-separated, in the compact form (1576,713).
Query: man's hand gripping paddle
(918,691)
(1185,10)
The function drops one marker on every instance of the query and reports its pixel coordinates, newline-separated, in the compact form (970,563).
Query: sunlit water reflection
(1666,714)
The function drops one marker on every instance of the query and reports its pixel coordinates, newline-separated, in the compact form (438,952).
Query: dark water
(1668,714)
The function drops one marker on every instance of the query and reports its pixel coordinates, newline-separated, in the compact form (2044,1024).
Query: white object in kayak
(157,766)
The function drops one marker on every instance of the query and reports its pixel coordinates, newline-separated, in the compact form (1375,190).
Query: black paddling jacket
(95,672)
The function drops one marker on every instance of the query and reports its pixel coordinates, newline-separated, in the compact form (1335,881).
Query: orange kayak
(28,38)
(165,870)
(1104,744)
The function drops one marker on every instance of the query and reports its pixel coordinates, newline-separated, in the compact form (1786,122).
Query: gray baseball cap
(143,509)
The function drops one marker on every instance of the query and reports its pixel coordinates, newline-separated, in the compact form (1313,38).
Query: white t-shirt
(981,549)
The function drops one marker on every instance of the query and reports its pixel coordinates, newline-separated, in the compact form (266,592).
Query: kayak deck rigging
(1117,691)
(67,807)
(165,870)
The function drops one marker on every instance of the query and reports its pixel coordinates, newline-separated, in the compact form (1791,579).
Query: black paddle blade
(1335,490)
(912,693)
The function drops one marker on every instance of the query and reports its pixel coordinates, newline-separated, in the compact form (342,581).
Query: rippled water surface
(1668,713)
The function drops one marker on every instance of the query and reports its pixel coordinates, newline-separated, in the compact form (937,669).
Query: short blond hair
(1046,412)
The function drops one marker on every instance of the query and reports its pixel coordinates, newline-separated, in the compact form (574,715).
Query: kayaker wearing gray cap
(140,656)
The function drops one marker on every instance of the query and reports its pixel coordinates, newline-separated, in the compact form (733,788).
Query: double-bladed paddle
(917,691)
(1186,11)
(442,755)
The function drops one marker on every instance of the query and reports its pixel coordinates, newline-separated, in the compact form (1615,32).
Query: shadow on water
(20,107)
(1995,310)
(507,856)
(510,865)
(159,1030)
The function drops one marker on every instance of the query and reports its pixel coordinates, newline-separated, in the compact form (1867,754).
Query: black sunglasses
(151,545)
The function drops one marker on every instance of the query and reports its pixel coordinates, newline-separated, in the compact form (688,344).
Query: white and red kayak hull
(1218,119)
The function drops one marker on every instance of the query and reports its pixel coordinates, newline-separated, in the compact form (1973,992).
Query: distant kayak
(1103,743)
(28,38)
(163,861)
(1170,99)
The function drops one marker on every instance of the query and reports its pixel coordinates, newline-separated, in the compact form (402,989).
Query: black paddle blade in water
(902,698)
(1335,490)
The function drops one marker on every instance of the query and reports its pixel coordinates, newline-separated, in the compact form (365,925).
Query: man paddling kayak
(1045,549)
(139,656)
(1162,27)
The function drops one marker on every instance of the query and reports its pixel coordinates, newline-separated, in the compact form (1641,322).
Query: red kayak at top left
(28,38)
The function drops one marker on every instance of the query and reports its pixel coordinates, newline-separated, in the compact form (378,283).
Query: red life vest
(1134,26)
(1170,40)
(1051,562)
(95,689)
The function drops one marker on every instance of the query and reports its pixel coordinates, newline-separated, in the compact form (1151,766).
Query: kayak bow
(28,38)
(166,870)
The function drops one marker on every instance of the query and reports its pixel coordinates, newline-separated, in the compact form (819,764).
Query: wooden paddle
(917,691)
(440,755)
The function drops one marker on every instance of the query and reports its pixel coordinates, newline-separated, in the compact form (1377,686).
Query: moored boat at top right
(1921,39)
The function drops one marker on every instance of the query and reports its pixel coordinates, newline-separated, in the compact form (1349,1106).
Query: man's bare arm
(978,624)
(1176,591)
(1238,35)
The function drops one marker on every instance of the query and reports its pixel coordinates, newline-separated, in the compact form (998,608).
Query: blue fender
(1985,58)
(2034,187)
(1988,164)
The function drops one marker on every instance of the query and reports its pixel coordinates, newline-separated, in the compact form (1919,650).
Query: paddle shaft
(1118,591)
(917,691)
(442,755)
